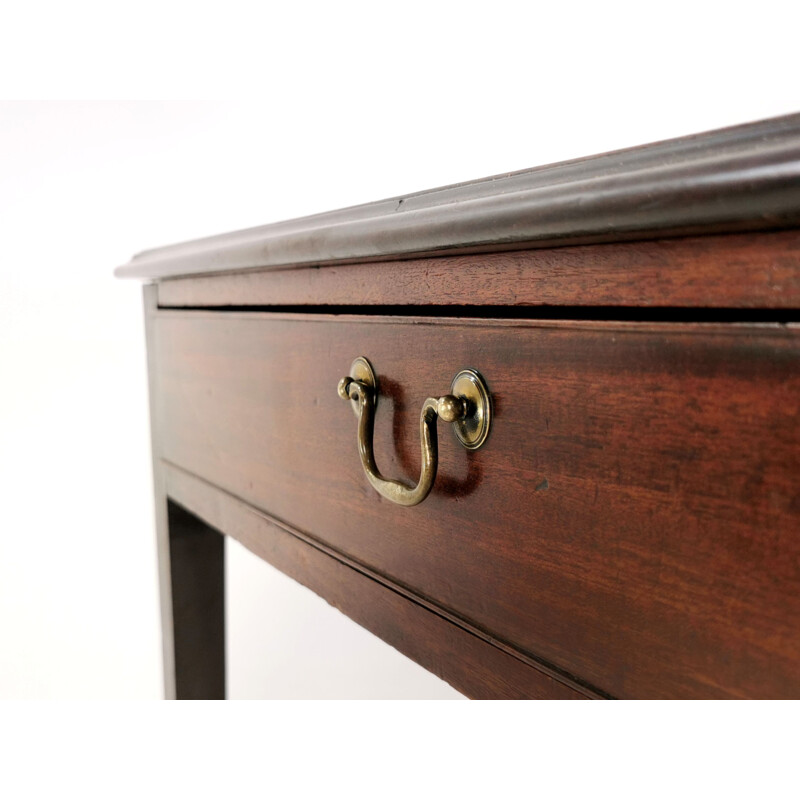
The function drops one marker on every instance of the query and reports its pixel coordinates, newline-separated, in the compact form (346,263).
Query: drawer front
(632,519)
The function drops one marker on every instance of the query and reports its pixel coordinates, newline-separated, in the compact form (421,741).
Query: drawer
(631,522)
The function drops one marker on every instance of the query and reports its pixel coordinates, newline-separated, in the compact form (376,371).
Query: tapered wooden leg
(197,578)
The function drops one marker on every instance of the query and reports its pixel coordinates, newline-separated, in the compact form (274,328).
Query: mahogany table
(538,432)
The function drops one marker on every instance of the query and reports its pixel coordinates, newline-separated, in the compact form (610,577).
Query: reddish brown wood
(191,561)
(630,528)
(632,519)
(467,662)
(741,271)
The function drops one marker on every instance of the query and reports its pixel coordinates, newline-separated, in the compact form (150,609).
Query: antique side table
(539,432)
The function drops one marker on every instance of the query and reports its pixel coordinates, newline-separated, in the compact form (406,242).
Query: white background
(335,105)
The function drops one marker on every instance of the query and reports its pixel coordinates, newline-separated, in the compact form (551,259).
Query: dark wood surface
(742,178)
(468,662)
(631,527)
(191,563)
(744,271)
(197,571)
(632,521)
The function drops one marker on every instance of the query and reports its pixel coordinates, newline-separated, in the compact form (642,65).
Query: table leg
(197,608)
(191,569)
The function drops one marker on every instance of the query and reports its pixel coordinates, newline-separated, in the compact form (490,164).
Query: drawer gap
(666,314)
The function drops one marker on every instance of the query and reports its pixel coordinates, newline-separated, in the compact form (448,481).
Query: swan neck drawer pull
(468,408)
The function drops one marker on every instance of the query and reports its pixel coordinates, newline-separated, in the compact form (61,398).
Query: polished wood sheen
(629,529)
(473,664)
(632,519)
(745,271)
(741,178)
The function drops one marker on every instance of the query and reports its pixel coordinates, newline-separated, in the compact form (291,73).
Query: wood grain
(632,519)
(466,662)
(190,572)
(631,527)
(736,271)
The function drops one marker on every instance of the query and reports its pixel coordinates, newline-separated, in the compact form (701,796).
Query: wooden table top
(742,178)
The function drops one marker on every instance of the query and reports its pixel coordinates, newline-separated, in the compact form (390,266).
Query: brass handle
(468,407)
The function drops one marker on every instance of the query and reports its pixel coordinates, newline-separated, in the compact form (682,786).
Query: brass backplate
(474,428)
(361,370)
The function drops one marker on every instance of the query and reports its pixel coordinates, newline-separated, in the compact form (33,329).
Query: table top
(736,179)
